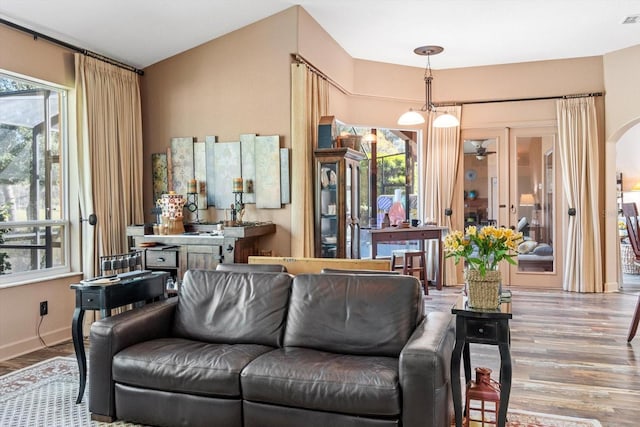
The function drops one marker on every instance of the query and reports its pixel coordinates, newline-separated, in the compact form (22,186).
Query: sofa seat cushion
(185,366)
(318,380)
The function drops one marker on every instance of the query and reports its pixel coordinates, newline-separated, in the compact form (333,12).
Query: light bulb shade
(411,118)
(527,199)
(446,120)
(370,137)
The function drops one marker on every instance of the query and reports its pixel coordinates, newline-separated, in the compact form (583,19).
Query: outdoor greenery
(25,188)
(5,265)
(15,149)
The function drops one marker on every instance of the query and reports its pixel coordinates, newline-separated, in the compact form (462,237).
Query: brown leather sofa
(270,349)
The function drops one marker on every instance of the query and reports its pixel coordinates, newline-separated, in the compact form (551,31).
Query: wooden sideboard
(202,247)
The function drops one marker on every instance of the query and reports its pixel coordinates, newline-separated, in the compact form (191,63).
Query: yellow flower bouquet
(483,249)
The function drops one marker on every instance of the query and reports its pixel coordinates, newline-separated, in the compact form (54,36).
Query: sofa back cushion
(231,307)
(353,314)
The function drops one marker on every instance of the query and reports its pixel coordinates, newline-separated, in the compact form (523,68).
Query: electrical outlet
(44,308)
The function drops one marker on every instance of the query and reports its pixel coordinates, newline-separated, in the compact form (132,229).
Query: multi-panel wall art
(210,167)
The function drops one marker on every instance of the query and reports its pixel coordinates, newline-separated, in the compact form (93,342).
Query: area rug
(44,395)
(519,418)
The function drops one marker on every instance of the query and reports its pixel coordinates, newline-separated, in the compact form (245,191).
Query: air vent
(631,19)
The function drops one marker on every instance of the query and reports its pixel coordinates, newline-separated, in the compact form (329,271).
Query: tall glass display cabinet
(337,197)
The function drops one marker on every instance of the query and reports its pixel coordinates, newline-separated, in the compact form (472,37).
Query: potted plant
(482,249)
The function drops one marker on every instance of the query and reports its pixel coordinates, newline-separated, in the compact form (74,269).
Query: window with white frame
(33,214)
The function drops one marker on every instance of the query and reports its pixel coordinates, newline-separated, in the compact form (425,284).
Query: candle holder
(237,209)
(192,205)
(157,211)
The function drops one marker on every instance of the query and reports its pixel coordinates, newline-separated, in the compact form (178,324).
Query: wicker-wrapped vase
(483,292)
(172,215)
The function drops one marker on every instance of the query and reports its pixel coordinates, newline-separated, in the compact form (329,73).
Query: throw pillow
(527,246)
(543,250)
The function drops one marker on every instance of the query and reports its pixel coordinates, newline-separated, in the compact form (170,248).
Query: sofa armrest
(425,372)
(110,335)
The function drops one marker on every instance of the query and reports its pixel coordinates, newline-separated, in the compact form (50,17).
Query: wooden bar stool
(412,262)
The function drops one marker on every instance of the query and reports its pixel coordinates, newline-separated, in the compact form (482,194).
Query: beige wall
(385,91)
(20,53)
(236,84)
(321,50)
(20,315)
(19,305)
(621,71)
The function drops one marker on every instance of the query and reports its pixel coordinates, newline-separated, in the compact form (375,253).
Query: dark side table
(133,288)
(482,327)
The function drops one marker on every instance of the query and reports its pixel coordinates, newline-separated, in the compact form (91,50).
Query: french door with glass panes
(511,179)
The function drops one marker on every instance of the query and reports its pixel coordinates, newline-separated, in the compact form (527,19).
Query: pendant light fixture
(411,117)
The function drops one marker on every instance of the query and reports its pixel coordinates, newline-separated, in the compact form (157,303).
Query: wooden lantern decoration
(483,400)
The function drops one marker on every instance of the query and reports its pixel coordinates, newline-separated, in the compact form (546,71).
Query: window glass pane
(31,176)
(535,208)
(32,248)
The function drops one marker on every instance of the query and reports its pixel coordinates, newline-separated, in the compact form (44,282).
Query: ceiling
(473,32)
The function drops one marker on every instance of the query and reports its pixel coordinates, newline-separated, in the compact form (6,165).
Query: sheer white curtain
(437,179)
(109,152)
(579,159)
(309,102)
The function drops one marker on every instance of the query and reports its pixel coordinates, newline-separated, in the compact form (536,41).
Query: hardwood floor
(64,349)
(569,351)
(570,354)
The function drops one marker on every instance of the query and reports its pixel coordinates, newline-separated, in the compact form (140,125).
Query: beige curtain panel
(309,102)
(579,159)
(109,128)
(440,157)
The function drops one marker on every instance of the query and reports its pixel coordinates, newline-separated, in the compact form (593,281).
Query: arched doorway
(627,190)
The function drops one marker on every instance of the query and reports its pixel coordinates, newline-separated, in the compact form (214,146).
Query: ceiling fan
(480,152)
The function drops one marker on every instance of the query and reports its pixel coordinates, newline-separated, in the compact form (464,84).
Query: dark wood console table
(419,234)
(482,327)
(146,286)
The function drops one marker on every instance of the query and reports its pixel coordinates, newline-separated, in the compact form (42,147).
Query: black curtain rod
(36,35)
(542,98)
(300,60)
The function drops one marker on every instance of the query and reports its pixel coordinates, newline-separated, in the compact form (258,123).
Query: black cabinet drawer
(484,330)
(91,300)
